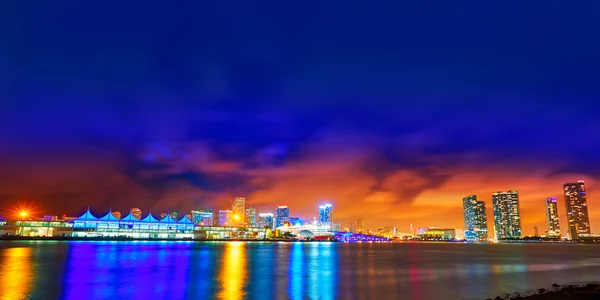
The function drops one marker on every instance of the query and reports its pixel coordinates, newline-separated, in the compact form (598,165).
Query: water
(237,270)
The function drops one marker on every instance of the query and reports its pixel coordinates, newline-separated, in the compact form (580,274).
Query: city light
(236,217)
(23,214)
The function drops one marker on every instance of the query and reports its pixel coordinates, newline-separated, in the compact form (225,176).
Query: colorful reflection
(296,271)
(233,272)
(16,273)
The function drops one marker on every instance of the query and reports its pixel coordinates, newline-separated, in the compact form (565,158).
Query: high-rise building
(251,217)
(265,219)
(577,210)
(116,214)
(136,213)
(282,215)
(507,217)
(351,227)
(174,215)
(325,214)
(202,217)
(476,228)
(360,226)
(239,210)
(552,217)
(535,231)
(225,218)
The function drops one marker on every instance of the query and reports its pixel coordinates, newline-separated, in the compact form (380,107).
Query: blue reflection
(321,269)
(261,273)
(296,271)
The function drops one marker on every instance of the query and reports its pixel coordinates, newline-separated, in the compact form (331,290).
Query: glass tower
(476,228)
(239,210)
(552,217)
(325,214)
(507,218)
(282,215)
(577,211)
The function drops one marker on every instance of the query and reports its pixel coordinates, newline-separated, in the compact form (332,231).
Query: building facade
(225,218)
(476,228)
(203,217)
(360,226)
(507,217)
(578,218)
(136,213)
(239,210)
(553,227)
(251,217)
(265,219)
(282,215)
(325,214)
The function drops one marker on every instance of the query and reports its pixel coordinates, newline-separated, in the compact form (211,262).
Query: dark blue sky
(178,105)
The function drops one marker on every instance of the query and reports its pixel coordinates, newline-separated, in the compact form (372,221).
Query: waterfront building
(282,215)
(389,231)
(163,215)
(475,215)
(507,217)
(87,225)
(136,213)
(239,210)
(117,214)
(251,217)
(265,219)
(553,228)
(225,218)
(360,226)
(434,233)
(202,217)
(174,215)
(325,214)
(352,228)
(577,210)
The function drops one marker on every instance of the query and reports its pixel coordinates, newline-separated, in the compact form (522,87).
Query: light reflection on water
(238,270)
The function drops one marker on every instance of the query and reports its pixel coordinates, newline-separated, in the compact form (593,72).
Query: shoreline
(121,239)
(585,291)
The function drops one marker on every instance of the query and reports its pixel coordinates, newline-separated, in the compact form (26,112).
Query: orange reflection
(16,276)
(233,271)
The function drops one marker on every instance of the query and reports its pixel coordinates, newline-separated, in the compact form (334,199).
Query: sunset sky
(392,113)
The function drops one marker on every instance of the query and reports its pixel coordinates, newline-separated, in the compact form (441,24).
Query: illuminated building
(163,215)
(265,219)
(325,214)
(535,231)
(117,214)
(174,215)
(389,231)
(87,225)
(352,228)
(476,228)
(251,217)
(296,221)
(136,213)
(282,215)
(552,217)
(202,217)
(239,210)
(507,218)
(577,211)
(360,226)
(225,218)
(433,233)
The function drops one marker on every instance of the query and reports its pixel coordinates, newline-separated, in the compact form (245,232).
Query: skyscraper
(239,210)
(351,227)
(202,217)
(225,218)
(476,228)
(552,217)
(360,227)
(251,217)
(136,213)
(282,215)
(325,214)
(577,211)
(265,219)
(507,218)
